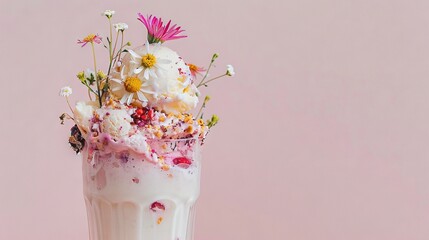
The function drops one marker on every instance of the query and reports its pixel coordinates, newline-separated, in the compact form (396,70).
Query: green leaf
(91,79)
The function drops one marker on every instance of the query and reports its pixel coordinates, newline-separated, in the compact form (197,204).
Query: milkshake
(130,198)
(140,135)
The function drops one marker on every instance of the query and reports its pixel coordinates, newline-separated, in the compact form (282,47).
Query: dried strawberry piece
(150,114)
(136,180)
(139,111)
(155,206)
(182,162)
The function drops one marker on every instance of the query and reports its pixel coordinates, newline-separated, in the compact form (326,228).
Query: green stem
(114,59)
(110,40)
(201,109)
(116,43)
(96,76)
(90,89)
(204,83)
(111,60)
(207,72)
(118,54)
(68,103)
(89,93)
(122,45)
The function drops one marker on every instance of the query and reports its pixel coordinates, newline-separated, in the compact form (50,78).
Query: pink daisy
(195,70)
(157,31)
(91,38)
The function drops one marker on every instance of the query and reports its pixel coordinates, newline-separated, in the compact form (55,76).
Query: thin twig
(96,75)
(68,103)
(207,72)
(204,83)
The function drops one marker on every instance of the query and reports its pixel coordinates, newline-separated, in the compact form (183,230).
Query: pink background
(324,131)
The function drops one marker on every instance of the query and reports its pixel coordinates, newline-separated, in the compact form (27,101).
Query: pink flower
(91,38)
(195,70)
(157,31)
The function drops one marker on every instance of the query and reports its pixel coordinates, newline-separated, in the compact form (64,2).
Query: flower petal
(116,88)
(147,47)
(163,61)
(146,73)
(124,98)
(138,70)
(141,96)
(134,54)
(130,98)
(152,73)
(116,80)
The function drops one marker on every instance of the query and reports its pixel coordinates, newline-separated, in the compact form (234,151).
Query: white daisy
(128,86)
(148,63)
(66,91)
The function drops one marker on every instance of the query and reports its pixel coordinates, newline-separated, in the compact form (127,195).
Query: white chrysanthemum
(148,62)
(230,70)
(66,91)
(120,26)
(108,13)
(128,86)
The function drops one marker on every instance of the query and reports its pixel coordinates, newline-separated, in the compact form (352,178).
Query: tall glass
(131,198)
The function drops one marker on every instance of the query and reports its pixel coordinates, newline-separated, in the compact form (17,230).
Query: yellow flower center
(192,67)
(89,38)
(148,60)
(132,84)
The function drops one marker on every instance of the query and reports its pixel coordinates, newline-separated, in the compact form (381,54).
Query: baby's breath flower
(206,99)
(120,27)
(214,57)
(81,76)
(100,74)
(230,70)
(66,91)
(212,121)
(108,13)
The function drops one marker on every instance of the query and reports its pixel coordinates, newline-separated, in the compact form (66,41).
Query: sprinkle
(181,78)
(200,122)
(189,129)
(165,167)
(158,134)
(162,119)
(188,119)
(186,89)
(159,221)
(136,180)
